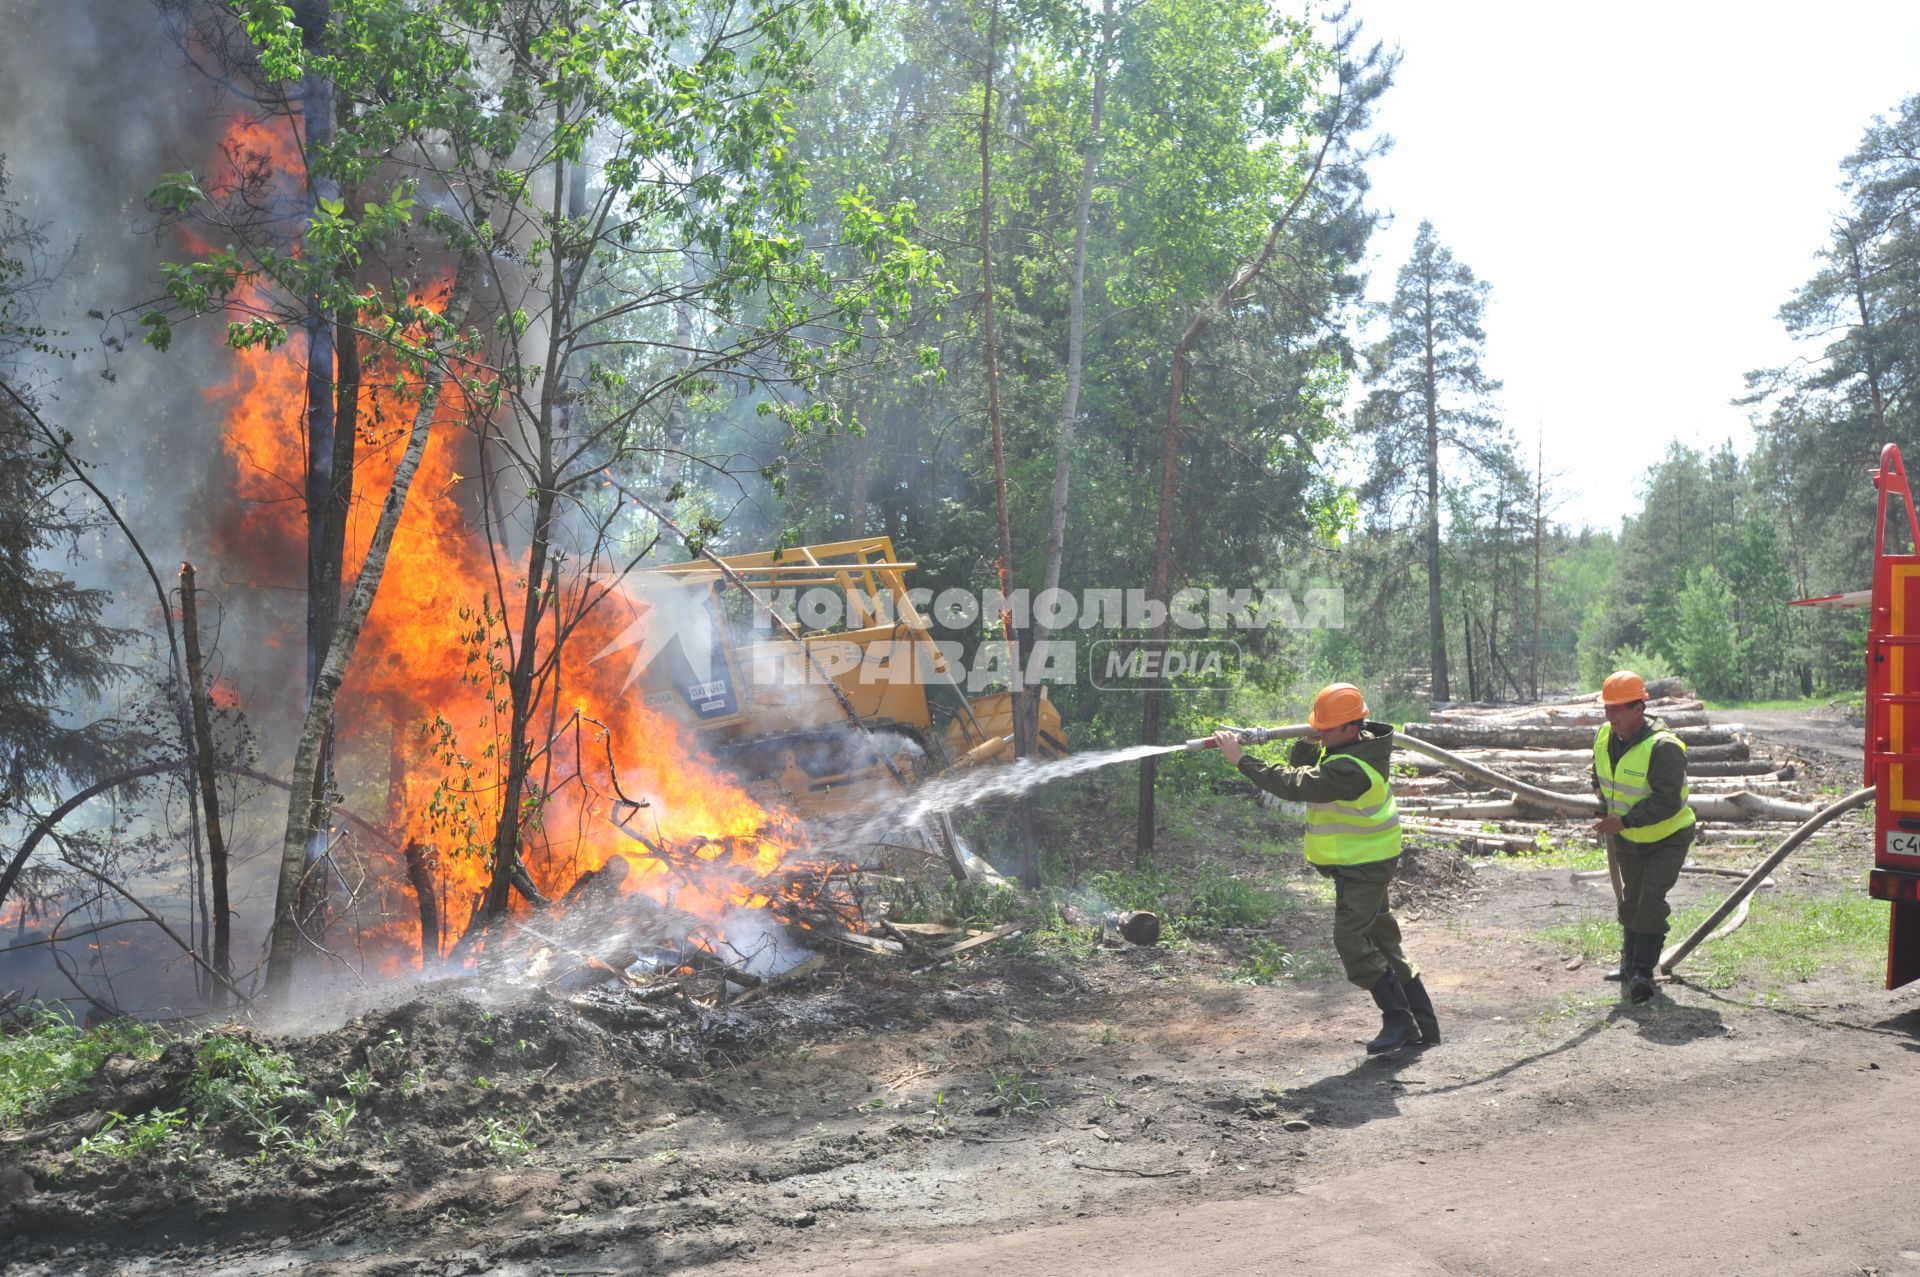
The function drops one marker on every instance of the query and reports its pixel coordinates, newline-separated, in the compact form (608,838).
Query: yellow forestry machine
(782,705)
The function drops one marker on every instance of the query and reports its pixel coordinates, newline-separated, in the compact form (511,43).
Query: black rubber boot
(1626,956)
(1397,1027)
(1421,1006)
(1646,955)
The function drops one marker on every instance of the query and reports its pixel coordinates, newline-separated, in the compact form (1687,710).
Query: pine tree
(55,648)
(1430,403)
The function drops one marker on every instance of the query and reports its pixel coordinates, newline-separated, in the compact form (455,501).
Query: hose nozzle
(1253,735)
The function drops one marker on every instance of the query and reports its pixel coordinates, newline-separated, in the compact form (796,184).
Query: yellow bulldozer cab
(767,707)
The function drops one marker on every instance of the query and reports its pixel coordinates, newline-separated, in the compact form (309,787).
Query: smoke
(100,102)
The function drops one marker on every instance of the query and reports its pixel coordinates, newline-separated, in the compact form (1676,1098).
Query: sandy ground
(1123,1111)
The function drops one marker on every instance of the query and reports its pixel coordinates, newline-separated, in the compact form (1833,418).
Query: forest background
(1055,296)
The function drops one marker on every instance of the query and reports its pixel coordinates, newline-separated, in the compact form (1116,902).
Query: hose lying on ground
(1826,815)
(1731,925)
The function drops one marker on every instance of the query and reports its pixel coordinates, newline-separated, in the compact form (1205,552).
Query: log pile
(1737,795)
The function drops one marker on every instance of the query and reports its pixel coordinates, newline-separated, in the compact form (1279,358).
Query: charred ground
(1057,1100)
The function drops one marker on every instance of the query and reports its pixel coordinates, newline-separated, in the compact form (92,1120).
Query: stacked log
(1549,747)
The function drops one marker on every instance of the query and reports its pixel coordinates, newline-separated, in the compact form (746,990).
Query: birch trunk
(1028,707)
(303,815)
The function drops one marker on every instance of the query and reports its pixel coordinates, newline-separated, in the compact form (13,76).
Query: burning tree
(517,237)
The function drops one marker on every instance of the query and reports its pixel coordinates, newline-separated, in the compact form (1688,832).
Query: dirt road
(1827,735)
(1074,1110)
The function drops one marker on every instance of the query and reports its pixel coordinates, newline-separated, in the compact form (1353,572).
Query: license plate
(1902,844)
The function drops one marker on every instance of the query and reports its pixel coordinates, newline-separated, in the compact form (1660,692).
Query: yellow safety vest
(1358,830)
(1623,786)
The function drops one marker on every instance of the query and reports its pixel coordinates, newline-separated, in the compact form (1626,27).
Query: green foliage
(1707,643)
(1267,962)
(1059,936)
(1015,1096)
(1147,887)
(234,1077)
(124,1139)
(1220,899)
(507,1140)
(972,904)
(51,1058)
(1594,667)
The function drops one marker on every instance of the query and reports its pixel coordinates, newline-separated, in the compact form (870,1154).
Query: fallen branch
(1130,1170)
(218,976)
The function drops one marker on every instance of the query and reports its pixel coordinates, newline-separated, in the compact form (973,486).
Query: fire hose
(1585,805)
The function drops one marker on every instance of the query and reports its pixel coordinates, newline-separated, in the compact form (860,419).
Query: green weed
(1059,936)
(1268,962)
(1221,899)
(123,1139)
(1017,1097)
(331,1122)
(972,904)
(233,1076)
(1144,888)
(942,1123)
(53,1057)
(506,1139)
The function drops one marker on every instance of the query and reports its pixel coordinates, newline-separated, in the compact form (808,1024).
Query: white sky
(1643,185)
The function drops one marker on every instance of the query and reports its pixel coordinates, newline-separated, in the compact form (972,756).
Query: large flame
(423,707)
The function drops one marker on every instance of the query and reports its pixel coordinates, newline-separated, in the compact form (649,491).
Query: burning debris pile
(613,951)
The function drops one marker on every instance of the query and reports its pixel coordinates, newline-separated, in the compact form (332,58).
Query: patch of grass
(1788,939)
(1577,852)
(1146,888)
(1059,937)
(232,1076)
(1275,848)
(1268,962)
(972,904)
(53,1057)
(124,1139)
(1221,899)
(1017,1097)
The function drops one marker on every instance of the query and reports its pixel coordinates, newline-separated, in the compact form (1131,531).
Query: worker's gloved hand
(1305,753)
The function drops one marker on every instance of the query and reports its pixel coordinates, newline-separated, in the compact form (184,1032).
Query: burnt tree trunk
(209,791)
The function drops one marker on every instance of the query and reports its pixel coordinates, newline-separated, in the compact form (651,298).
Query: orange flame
(425,694)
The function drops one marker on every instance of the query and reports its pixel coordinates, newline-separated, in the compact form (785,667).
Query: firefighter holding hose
(1640,773)
(1353,837)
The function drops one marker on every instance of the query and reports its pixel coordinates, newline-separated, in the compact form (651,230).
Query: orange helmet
(1337,703)
(1623,687)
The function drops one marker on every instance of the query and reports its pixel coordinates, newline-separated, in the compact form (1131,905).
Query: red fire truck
(1893,718)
